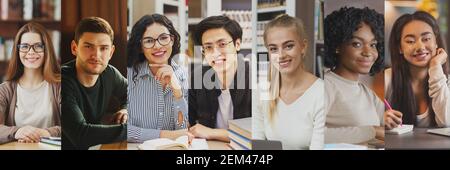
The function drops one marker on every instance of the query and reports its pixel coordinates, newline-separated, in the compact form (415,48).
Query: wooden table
(28,146)
(213,145)
(417,139)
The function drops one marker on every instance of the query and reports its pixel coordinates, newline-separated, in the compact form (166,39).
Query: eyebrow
(208,43)
(284,43)
(101,45)
(422,34)
(362,39)
(31,43)
(156,37)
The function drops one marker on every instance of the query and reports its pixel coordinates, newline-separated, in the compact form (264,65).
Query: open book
(344,146)
(181,143)
(400,129)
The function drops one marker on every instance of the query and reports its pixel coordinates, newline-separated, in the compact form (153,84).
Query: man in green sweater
(94,93)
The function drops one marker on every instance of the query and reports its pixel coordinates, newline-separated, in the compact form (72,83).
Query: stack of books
(240,135)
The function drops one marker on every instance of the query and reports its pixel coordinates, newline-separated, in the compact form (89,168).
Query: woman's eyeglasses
(163,39)
(25,48)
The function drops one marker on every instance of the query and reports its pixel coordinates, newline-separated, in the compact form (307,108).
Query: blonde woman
(30,98)
(293,109)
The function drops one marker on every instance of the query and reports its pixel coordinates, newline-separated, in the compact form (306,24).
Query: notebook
(51,140)
(180,143)
(440,131)
(400,129)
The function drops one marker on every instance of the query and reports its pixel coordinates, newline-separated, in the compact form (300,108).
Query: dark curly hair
(339,27)
(134,49)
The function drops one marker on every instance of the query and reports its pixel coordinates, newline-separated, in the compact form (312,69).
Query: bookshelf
(16,13)
(240,11)
(319,48)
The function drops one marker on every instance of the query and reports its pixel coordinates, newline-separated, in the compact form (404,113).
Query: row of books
(244,18)
(30,9)
(318,20)
(260,27)
(270,3)
(240,135)
(6,45)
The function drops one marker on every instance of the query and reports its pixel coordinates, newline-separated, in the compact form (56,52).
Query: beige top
(352,109)
(34,106)
(439,92)
(8,100)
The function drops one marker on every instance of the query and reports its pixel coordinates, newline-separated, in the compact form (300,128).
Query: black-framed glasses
(221,45)
(163,39)
(25,48)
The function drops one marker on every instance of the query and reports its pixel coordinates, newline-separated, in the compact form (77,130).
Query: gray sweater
(8,98)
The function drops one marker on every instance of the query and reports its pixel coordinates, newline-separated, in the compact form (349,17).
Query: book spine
(28,9)
(4,9)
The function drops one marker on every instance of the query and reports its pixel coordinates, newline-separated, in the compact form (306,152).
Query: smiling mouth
(159,54)
(284,63)
(421,55)
(32,59)
(219,60)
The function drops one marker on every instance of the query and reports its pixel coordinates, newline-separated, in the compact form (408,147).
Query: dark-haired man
(94,92)
(225,94)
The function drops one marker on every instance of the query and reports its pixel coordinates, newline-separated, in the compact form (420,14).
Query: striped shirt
(152,108)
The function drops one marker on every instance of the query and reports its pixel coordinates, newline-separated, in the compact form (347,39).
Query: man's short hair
(213,22)
(93,25)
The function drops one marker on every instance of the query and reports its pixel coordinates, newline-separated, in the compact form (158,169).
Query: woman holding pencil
(417,83)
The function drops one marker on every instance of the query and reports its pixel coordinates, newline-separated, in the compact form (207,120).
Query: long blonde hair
(283,20)
(50,69)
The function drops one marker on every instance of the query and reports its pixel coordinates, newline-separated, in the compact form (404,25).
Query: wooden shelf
(43,21)
(171,3)
(9,28)
(272,9)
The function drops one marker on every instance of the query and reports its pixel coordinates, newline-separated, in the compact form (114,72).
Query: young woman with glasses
(157,90)
(30,97)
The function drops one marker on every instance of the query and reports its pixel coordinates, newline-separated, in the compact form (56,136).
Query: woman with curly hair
(157,90)
(354,46)
(417,83)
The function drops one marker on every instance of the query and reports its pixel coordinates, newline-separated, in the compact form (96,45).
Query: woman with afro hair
(354,46)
